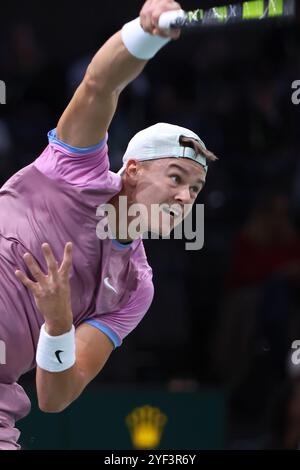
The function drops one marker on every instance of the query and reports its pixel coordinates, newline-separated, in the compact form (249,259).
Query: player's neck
(120,227)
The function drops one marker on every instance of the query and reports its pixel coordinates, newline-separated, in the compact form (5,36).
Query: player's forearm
(113,67)
(57,390)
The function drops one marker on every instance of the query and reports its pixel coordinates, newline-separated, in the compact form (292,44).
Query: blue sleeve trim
(106,330)
(121,246)
(53,140)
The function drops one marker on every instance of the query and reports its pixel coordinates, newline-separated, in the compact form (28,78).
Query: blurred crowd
(225,315)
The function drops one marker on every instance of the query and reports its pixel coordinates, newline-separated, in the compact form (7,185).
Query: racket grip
(169,19)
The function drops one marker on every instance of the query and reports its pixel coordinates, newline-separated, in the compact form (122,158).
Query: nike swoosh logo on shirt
(108,284)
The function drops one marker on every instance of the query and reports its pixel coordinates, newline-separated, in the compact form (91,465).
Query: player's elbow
(52,407)
(55,404)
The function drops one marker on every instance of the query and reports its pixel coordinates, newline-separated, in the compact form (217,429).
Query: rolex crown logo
(146,425)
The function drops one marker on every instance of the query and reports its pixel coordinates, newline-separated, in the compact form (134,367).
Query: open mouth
(172,211)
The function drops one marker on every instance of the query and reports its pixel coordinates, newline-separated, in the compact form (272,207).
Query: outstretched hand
(150,13)
(51,291)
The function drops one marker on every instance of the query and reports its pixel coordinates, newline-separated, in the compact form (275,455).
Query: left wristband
(56,353)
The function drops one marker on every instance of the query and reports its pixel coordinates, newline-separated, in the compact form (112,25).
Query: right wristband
(140,44)
(56,353)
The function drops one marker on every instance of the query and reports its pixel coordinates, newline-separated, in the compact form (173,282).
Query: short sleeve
(77,166)
(117,325)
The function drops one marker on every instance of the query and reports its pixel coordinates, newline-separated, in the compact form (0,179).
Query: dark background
(224,316)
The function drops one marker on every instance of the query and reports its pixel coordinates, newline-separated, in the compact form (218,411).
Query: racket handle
(169,19)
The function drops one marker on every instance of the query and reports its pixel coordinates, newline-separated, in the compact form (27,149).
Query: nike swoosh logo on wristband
(57,353)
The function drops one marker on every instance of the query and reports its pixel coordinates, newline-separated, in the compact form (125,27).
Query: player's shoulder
(81,167)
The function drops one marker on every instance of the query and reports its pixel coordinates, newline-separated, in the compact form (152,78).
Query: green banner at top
(253,10)
(275,7)
(256,9)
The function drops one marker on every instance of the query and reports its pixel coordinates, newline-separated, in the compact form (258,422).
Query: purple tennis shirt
(55,200)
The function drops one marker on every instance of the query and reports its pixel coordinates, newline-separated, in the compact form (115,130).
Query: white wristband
(56,353)
(140,44)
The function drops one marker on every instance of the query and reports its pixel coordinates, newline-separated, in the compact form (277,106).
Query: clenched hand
(150,13)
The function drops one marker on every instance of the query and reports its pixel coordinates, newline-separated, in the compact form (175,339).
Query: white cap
(162,141)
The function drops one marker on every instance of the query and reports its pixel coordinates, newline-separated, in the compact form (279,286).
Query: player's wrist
(56,353)
(58,327)
(139,43)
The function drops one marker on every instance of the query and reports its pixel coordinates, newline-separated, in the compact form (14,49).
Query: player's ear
(132,171)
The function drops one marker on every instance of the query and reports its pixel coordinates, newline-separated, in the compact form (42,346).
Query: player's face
(172,185)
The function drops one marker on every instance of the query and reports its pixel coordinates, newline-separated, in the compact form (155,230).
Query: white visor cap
(162,141)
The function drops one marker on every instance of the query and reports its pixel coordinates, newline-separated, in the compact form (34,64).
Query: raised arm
(87,117)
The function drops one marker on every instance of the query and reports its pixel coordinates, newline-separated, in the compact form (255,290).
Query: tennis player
(67,296)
